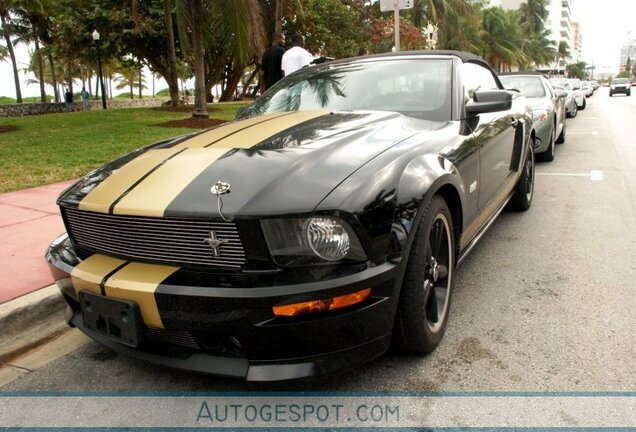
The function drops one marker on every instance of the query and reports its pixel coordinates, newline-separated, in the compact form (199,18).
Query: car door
(494,135)
(559,105)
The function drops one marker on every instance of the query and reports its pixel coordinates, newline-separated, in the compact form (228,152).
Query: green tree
(576,70)
(623,74)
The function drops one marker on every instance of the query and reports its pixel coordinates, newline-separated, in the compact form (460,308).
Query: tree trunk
(140,81)
(232,82)
(171,78)
(53,78)
(40,71)
(70,73)
(16,77)
(246,85)
(278,19)
(198,10)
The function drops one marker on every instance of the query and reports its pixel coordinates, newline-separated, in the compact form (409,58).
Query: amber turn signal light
(314,306)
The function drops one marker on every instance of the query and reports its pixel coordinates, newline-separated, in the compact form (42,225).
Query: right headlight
(540,116)
(313,240)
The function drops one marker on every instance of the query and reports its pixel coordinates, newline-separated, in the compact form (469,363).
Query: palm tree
(4,53)
(31,25)
(6,6)
(532,15)
(563,52)
(172,78)
(198,13)
(130,75)
(232,31)
(438,10)
(501,35)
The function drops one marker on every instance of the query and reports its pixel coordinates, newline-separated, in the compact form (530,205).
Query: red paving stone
(29,221)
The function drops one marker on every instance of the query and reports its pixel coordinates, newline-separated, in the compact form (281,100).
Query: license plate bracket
(116,319)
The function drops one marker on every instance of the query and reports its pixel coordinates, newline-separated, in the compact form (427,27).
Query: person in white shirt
(296,57)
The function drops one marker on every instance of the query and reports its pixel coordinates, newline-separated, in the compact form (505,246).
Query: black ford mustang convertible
(305,237)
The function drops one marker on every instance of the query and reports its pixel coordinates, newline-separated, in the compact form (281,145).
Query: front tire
(584,105)
(426,290)
(561,138)
(575,110)
(548,155)
(524,189)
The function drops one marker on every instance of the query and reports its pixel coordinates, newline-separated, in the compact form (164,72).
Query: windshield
(419,88)
(529,86)
(562,83)
(576,84)
(621,81)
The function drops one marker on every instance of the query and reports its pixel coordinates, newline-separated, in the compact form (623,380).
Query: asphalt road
(544,303)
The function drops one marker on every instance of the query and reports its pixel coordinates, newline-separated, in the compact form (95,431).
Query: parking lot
(544,303)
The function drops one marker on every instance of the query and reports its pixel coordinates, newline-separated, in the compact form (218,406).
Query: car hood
(276,163)
(541,103)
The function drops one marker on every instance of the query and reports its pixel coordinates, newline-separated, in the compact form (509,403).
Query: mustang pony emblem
(214,243)
(220,188)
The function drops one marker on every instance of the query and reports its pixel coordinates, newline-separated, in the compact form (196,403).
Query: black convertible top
(465,57)
(523,73)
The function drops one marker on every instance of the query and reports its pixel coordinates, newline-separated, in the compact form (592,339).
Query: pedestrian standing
(297,56)
(85,97)
(68,98)
(271,70)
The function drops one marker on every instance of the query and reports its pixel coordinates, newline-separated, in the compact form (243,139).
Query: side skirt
(469,247)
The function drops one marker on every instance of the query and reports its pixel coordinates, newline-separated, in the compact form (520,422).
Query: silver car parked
(548,109)
(571,108)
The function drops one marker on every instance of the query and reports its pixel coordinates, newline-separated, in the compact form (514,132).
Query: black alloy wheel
(427,287)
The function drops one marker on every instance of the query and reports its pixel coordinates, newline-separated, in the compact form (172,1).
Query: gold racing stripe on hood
(224,130)
(152,196)
(248,138)
(138,282)
(89,274)
(105,193)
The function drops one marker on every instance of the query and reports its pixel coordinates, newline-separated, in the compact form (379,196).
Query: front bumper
(542,133)
(232,331)
(623,90)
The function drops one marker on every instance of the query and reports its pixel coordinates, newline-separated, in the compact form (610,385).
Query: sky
(604,24)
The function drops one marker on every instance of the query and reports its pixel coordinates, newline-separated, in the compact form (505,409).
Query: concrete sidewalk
(29,221)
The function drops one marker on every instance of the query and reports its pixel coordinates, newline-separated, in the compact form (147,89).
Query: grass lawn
(56,147)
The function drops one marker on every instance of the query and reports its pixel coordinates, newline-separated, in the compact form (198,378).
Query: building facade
(576,42)
(628,51)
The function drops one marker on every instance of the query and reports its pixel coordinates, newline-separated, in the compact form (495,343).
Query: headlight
(304,241)
(540,116)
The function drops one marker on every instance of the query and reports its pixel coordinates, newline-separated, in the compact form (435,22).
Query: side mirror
(488,101)
(560,94)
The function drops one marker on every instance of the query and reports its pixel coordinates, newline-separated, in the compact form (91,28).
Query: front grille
(167,240)
(173,337)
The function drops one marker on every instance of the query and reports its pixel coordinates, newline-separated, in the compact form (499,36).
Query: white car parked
(579,96)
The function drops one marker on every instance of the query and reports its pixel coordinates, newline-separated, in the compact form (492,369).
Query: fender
(424,177)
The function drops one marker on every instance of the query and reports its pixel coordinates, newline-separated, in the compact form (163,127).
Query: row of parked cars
(551,100)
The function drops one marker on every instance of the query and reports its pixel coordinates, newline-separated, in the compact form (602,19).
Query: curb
(30,319)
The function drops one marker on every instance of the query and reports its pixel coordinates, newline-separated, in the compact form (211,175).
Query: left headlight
(540,116)
(318,239)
